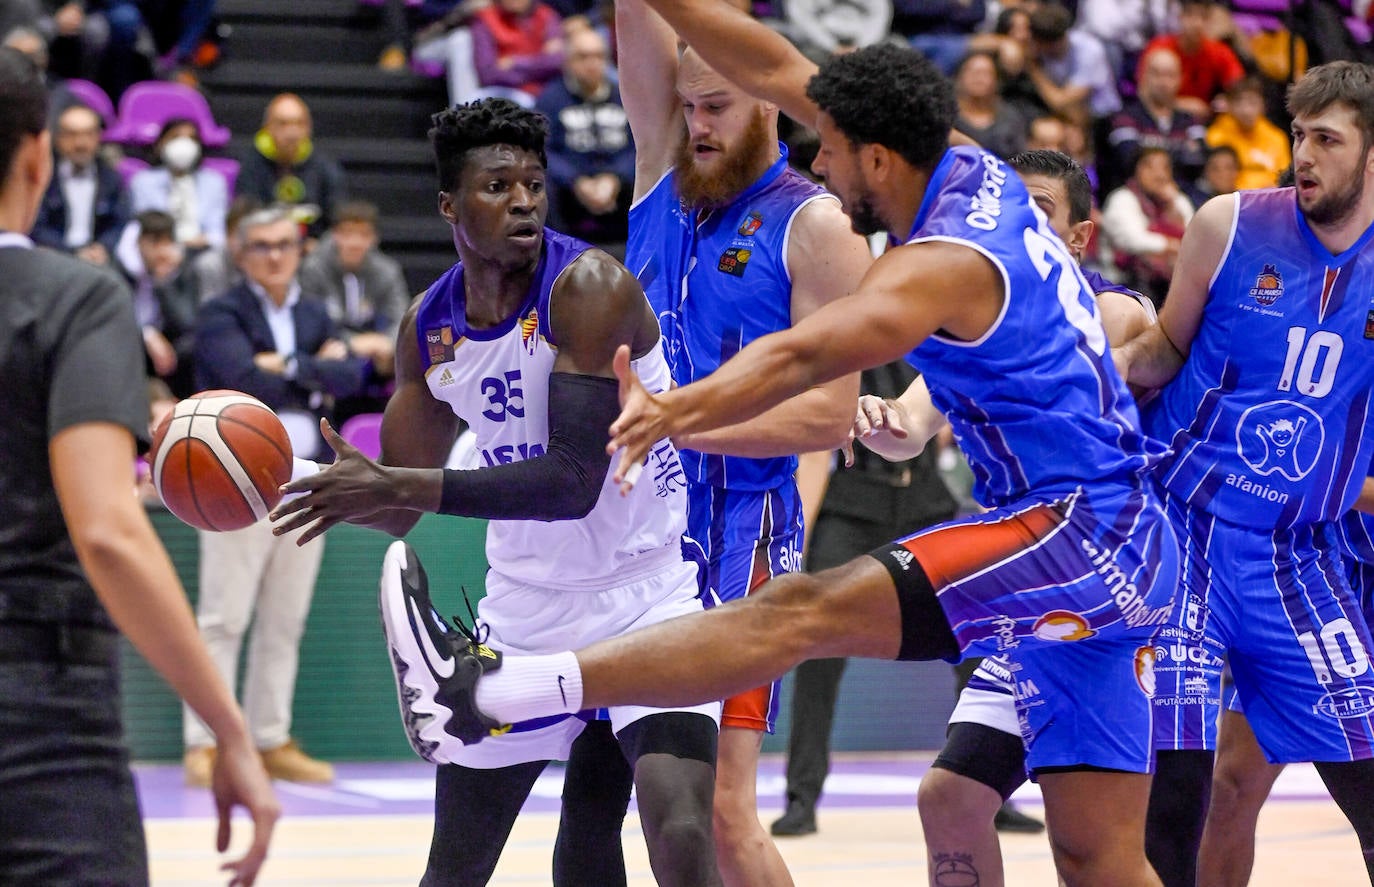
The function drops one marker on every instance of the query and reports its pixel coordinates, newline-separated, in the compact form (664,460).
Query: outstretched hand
(643,421)
(880,424)
(240,780)
(352,488)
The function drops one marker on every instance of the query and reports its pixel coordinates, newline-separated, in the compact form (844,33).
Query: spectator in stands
(1047,133)
(264,339)
(86,207)
(1209,66)
(363,289)
(821,27)
(1263,148)
(983,116)
(404,23)
(517,47)
(1069,67)
(1124,27)
(196,198)
(1012,38)
(165,302)
(1143,221)
(1219,175)
(284,166)
(216,269)
(940,30)
(30,42)
(1153,119)
(591,159)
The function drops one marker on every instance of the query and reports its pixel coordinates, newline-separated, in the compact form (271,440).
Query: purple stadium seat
(146,106)
(93,97)
(364,431)
(225,166)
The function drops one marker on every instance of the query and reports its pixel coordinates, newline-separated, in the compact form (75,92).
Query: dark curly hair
(461,129)
(890,96)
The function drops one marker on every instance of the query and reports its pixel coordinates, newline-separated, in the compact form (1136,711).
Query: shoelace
(478,634)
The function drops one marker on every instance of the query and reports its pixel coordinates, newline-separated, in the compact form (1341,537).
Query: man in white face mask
(196,198)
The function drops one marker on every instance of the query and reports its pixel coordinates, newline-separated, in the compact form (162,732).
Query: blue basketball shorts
(1071,594)
(1277,606)
(746,537)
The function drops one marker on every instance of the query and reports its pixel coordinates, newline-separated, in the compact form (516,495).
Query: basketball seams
(199,426)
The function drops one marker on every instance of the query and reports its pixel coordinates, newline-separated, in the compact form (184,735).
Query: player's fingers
(621,364)
(290,505)
(874,413)
(340,446)
(292,523)
(316,530)
(848,450)
(896,421)
(223,810)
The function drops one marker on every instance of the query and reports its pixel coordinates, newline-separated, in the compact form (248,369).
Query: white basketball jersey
(497,381)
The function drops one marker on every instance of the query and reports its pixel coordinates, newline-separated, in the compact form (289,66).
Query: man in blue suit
(86,206)
(264,339)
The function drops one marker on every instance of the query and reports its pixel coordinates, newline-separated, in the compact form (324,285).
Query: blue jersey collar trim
(1317,246)
(937,181)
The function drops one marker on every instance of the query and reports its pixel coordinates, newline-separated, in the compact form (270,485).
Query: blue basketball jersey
(718,280)
(1036,404)
(1267,416)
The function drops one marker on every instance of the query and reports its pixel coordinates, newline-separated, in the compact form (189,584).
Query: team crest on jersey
(439,341)
(750,226)
(529,329)
(1280,437)
(1268,286)
(734,260)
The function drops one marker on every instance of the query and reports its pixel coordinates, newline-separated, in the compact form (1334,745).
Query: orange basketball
(218,459)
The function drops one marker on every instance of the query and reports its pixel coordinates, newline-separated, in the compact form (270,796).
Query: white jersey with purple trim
(497,381)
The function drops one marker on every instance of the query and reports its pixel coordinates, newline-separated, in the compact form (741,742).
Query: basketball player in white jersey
(516,340)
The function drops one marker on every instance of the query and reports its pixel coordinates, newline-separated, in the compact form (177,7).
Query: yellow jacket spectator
(1262,147)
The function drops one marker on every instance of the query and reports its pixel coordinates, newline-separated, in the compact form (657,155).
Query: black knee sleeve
(596,794)
(682,734)
(1179,796)
(926,633)
(984,754)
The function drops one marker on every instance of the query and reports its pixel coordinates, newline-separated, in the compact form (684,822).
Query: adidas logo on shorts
(904,558)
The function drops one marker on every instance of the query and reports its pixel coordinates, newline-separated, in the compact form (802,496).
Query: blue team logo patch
(734,260)
(1268,286)
(1351,702)
(750,226)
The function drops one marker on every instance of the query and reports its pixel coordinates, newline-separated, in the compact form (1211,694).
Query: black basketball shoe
(437,665)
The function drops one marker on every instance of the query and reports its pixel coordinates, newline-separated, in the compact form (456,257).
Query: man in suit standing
(86,207)
(263,338)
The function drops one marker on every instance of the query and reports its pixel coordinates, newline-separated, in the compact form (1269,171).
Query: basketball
(219,459)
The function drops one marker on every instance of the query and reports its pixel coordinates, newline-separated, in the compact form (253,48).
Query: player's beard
(1336,207)
(863,218)
(736,169)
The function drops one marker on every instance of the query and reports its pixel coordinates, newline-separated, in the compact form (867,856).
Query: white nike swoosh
(445,663)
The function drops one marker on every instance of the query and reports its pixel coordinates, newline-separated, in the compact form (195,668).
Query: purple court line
(407,788)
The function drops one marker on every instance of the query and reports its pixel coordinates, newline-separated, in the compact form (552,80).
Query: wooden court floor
(1303,840)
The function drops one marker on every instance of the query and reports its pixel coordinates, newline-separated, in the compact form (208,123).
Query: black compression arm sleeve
(562,484)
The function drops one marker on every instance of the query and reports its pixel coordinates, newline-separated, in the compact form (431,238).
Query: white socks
(527,687)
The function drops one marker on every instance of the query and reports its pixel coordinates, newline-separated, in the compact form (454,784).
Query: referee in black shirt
(79,558)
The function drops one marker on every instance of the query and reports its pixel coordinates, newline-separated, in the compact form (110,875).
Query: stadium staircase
(371,121)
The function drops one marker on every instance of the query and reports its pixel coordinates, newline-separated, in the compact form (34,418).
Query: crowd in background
(1165,102)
